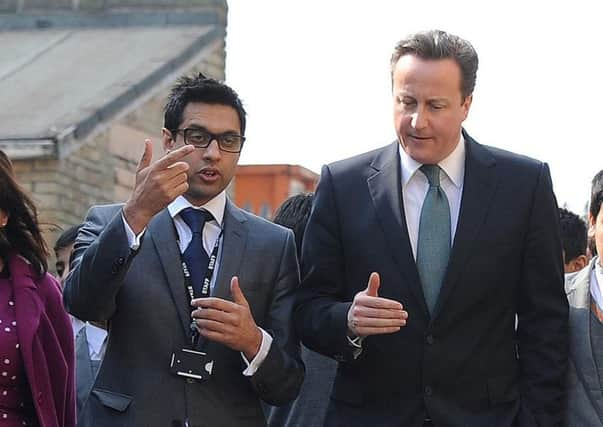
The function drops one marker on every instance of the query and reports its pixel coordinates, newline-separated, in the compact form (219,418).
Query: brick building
(83,83)
(262,188)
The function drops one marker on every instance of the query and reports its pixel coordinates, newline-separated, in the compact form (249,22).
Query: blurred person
(197,292)
(36,349)
(574,241)
(418,257)
(90,337)
(585,294)
(63,248)
(310,407)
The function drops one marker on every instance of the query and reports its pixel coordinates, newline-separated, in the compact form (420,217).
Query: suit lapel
(581,351)
(386,194)
(479,186)
(164,237)
(233,247)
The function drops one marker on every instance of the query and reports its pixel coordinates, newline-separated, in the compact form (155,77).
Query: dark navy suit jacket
(466,365)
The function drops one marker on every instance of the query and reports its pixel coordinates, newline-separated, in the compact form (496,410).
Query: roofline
(29,148)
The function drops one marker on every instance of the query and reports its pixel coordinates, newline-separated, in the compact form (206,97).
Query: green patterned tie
(433,247)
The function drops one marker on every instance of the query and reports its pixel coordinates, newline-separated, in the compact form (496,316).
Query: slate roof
(62,75)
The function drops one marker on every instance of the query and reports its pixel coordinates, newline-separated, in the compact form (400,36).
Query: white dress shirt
(211,232)
(415,186)
(96,337)
(596,282)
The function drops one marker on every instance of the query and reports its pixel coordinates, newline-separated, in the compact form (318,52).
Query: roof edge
(29,148)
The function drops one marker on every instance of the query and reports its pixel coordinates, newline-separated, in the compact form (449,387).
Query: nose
(212,151)
(418,120)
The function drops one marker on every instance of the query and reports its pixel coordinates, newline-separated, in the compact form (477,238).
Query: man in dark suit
(418,257)
(148,266)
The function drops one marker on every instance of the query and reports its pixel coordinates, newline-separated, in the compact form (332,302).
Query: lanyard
(188,283)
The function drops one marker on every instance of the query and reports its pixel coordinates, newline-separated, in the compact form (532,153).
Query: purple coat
(46,343)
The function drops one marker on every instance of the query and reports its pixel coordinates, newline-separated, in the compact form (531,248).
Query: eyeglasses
(200,138)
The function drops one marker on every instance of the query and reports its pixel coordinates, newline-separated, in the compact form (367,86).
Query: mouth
(417,138)
(209,174)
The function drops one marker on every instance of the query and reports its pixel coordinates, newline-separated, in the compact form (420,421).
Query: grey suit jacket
(584,392)
(84,371)
(141,293)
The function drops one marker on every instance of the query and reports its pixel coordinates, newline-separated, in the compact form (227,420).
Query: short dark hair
(67,237)
(22,234)
(437,44)
(596,194)
(200,89)
(573,234)
(293,213)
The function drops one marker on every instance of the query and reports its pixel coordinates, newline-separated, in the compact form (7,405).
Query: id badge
(191,364)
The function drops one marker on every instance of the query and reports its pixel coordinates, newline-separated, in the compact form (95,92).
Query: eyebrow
(203,128)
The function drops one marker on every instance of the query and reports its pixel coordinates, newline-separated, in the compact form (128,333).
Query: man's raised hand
(157,185)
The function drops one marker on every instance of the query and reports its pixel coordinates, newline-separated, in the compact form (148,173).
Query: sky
(314,78)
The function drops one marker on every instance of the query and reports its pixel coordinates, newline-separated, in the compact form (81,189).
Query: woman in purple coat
(36,342)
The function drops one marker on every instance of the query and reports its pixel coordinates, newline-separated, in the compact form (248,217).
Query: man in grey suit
(585,295)
(147,266)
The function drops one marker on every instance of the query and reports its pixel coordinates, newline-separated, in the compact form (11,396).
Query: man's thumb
(373,285)
(236,292)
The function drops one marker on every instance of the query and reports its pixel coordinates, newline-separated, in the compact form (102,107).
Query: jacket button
(121,260)
(429,339)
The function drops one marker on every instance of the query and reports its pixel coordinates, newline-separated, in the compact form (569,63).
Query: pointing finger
(173,156)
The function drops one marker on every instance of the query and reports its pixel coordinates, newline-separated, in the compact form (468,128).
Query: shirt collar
(95,336)
(598,269)
(215,206)
(453,165)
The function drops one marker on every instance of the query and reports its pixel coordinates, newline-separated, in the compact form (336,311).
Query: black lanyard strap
(205,289)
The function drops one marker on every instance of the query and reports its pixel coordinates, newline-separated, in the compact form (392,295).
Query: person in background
(584,404)
(574,241)
(36,343)
(310,407)
(63,249)
(90,337)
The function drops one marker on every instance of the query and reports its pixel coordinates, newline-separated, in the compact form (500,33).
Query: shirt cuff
(255,364)
(133,239)
(356,344)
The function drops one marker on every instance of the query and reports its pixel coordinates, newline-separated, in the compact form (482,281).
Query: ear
(167,141)
(467,105)
(581,262)
(3,218)
(576,264)
(591,225)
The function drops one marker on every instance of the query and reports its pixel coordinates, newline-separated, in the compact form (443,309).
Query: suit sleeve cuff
(133,239)
(255,364)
